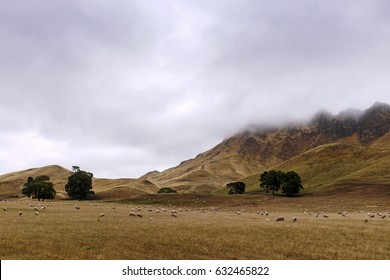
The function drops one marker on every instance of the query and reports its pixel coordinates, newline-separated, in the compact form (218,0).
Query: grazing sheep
(365,221)
(280,219)
(295,219)
(326,216)
(4,209)
(101,216)
(371,215)
(20,213)
(139,215)
(36,213)
(174,215)
(77,207)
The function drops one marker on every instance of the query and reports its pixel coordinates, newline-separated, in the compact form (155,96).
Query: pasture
(206,227)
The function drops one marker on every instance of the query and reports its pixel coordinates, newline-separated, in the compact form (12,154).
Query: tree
(79,184)
(292,183)
(40,188)
(236,187)
(271,181)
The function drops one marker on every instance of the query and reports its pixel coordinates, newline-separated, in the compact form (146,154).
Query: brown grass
(63,232)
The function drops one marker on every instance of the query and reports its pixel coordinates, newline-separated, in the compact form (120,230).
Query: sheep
(5,209)
(326,216)
(101,216)
(295,219)
(36,213)
(77,207)
(280,219)
(20,213)
(371,215)
(132,214)
(365,221)
(174,215)
(139,215)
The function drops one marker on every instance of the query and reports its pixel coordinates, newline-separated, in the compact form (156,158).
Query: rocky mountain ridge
(258,149)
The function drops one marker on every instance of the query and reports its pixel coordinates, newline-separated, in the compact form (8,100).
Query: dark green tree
(79,185)
(271,181)
(40,188)
(236,187)
(292,183)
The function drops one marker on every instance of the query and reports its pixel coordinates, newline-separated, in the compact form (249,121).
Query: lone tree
(40,188)
(290,182)
(79,184)
(236,187)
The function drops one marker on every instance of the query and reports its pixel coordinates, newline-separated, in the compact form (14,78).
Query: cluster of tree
(290,182)
(236,187)
(79,186)
(40,188)
(166,190)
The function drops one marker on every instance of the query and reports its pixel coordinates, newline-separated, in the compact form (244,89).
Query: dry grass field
(206,227)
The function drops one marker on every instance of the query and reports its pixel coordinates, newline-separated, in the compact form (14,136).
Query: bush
(166,190)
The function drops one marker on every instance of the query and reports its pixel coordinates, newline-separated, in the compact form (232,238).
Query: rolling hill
(11,184)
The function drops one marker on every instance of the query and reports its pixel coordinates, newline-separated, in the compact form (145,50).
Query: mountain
(326,139)
(350,150)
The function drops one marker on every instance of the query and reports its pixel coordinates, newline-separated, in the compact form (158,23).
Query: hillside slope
(260,149)
(11,184)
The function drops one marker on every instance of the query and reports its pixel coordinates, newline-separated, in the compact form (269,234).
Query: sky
(124,87)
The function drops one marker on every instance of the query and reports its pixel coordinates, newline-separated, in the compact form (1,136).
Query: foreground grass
(62,232)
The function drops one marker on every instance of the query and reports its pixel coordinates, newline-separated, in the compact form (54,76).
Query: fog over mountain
(125,87)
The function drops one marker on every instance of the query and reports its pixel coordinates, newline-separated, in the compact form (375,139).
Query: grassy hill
(11,184)
(331,167)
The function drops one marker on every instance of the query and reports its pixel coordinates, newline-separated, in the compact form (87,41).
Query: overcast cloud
(124,87)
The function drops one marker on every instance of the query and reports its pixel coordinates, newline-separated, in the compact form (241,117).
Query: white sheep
(20,213)
(77,207)
(295,219)
(36,213)
(174,214)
